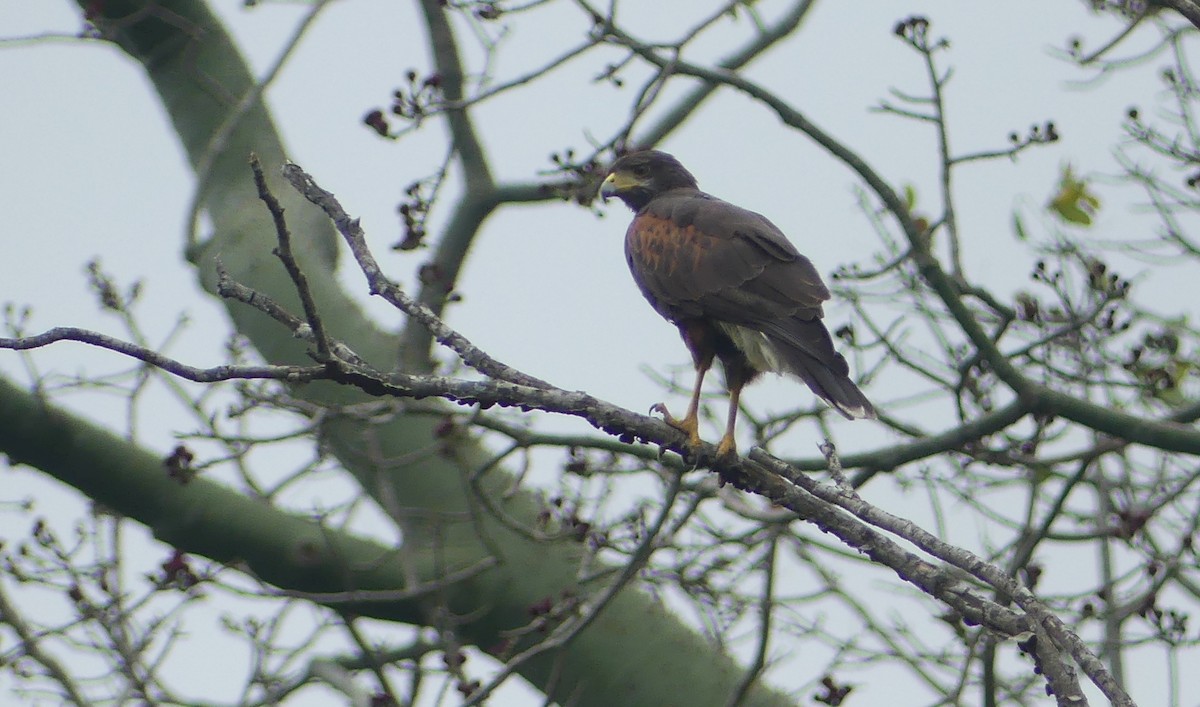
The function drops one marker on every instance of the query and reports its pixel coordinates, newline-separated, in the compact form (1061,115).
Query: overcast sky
(90,169)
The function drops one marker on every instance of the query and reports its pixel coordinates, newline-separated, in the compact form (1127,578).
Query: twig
(285,255)
(565,632)
(31,646)
(389,595)
(966,561)
(382,286)
(1190,9)
(835,467)
(478,199)
(292,374)
(766,609)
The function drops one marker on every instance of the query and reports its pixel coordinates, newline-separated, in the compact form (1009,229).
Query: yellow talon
(727,448)
(689,425)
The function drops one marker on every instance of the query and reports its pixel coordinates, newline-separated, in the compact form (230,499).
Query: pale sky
(91,170)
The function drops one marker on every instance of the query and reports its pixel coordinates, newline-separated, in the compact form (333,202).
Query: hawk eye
(641,170)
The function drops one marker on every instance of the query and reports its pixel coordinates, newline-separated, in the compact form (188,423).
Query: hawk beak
(609,187)
(616,183)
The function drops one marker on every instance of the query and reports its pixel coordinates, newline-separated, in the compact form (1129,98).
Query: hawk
(732,283)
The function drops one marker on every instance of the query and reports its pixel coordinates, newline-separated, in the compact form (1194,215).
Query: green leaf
(1019,227)
(1073,202)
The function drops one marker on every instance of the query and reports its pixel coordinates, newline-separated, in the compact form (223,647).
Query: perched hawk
(734,285)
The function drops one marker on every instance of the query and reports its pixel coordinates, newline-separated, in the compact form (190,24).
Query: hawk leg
(690,424)
(727,447)
(738,373)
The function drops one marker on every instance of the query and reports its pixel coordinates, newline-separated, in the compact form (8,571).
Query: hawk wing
(695,256)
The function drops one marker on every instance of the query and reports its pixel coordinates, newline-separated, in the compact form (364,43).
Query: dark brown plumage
(732,283)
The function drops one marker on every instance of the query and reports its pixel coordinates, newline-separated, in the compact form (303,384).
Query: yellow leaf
(1073,203)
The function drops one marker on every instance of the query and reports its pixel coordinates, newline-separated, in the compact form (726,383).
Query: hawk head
(638,177)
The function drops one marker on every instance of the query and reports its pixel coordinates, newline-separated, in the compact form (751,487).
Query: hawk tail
(806,351)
